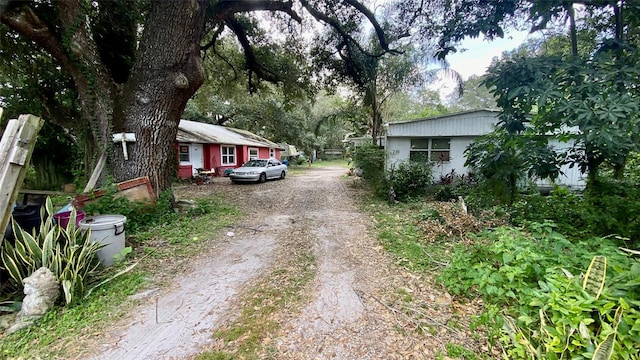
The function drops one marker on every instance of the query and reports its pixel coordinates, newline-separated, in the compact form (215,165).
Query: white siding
(461,128)
(398,150)
(570,177)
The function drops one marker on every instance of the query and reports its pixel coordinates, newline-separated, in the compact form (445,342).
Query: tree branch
(252,62)
(222,9)
(335,24)
(27,23)
(214,39)
(374,22)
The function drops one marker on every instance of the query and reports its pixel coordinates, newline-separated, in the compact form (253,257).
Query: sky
(480,52)
(477,56)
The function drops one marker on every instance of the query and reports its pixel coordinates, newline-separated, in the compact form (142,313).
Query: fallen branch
(418,322)
(255,230)
(434,260)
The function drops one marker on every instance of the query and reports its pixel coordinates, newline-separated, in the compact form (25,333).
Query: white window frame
(227,157)
(430,151)
(272,153)
(256,156)
(181,153)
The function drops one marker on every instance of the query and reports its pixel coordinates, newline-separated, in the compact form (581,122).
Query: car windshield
(256,163)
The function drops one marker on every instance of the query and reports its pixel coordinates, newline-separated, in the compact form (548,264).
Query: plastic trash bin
(109,231)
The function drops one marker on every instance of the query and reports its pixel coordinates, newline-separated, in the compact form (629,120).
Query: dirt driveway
(357,305)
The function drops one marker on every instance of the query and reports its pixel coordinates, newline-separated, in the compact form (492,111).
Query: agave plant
(67,251)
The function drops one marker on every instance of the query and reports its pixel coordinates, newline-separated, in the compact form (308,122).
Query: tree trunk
(166,74)
(573,35)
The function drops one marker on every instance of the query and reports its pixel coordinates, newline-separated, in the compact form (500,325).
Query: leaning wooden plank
(95,175)
(16,148)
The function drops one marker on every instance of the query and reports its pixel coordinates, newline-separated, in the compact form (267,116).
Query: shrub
(549,313)
(370,160)
(608,207)
(452,185)
(411,178)
(68,252)
(139,215)
(613,207)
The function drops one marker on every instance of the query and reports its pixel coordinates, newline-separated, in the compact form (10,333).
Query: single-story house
(218,148)
(443,139)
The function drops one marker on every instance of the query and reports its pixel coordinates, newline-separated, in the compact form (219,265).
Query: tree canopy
(579,84)
(135,64)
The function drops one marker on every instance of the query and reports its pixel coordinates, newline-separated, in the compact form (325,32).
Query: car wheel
(263,177)
(234,182)
(282,175)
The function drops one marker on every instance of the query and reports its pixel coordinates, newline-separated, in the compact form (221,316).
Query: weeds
(170,236)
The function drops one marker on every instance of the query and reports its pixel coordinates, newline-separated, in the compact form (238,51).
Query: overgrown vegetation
(68,252)
(547,309)
(159,233)
(139,215)
(537,304)
(608,207)
(531,263)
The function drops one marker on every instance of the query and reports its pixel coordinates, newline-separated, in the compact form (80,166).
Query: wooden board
(16,147)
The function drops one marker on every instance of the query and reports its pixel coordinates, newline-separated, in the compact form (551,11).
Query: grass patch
(51,336)
(301,169)
(180,236)
(460,352)
(185,236)
(250,336)
(400,234)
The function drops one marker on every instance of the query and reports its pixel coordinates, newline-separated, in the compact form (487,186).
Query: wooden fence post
(16,147)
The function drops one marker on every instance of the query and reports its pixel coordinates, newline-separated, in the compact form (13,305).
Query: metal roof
(444,116)
(197,132)
(466,123)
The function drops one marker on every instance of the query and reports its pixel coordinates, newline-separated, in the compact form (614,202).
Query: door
(197,157)
(273,170)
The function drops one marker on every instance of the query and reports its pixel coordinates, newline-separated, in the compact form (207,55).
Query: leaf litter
(324,289)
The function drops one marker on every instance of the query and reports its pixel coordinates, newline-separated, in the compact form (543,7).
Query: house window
(253,153)
(436,150)
(228,155)
(184,153)
(272,153)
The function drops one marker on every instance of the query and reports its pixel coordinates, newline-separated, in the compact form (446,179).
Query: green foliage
(139,215)
(68,252)
(411,179)
(608,207)
(547,311)
(503,160)
(591,95)
(96,311)
(632,170)
(460,352)
(452,185)
(370,159)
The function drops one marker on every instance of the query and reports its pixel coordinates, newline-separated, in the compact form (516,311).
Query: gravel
(360,304)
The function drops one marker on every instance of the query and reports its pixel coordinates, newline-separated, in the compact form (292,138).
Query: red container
(63,218)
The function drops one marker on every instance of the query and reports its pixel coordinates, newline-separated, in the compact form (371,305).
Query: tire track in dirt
(179,321)
(349,313)
(339,322)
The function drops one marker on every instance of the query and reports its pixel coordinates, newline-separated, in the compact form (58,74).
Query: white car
(259,170)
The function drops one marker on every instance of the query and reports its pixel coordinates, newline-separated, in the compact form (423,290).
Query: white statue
(42,290)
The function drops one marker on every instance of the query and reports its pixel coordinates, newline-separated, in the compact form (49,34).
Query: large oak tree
(135,64)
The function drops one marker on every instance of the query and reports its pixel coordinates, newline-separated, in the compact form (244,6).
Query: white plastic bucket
(107,230)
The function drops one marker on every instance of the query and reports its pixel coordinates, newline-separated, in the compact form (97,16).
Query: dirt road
(352,308)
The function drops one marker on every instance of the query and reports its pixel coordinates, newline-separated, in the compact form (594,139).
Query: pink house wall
(212,158)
